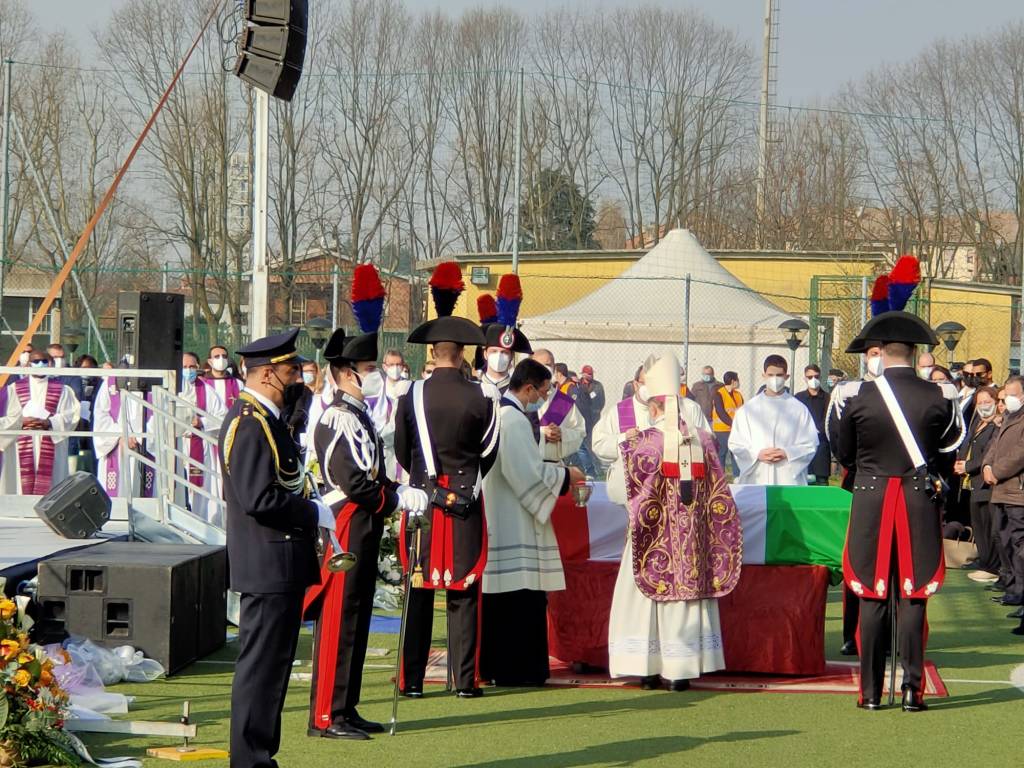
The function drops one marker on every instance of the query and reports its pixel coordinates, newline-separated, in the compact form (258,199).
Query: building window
(297,316)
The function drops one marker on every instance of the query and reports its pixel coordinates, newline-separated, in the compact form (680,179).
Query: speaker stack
(167,600)
(149,332)
(272,46)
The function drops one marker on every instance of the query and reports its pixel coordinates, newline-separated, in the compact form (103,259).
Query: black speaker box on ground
(149,328)
(76,507)
(167,600)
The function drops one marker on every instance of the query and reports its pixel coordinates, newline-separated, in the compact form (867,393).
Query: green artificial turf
(980,723)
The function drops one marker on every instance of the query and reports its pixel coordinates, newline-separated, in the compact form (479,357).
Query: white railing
(157,424)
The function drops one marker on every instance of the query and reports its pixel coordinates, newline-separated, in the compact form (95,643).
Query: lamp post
(794,331)
(949,334)
(319,329)
(71,339)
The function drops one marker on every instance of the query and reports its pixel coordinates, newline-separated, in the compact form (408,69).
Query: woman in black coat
(968,468)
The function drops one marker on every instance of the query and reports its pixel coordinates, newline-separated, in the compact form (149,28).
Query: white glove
(413,500)
(326,516)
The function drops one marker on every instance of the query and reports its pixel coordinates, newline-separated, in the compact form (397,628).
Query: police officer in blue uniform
(271,528)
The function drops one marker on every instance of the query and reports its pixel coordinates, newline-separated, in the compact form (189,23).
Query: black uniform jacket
(271,528)
(892,513)
(463,427)
(351,455)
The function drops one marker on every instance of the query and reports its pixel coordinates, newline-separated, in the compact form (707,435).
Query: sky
(823,43)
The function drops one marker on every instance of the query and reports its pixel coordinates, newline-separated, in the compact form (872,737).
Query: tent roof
(647,303)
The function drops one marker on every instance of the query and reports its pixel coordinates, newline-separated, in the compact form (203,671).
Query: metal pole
(518,170)
(1020,351)
(863,316)
(686,324)
(163,280)
(762,139)
(13,122)
(5,187)
(335,285)
(260,290)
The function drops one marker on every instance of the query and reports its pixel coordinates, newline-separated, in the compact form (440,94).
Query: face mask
(832,383)
(875,366)
(926,372)
(219,364)
(293,393)
(405,375)
(776,383)
(58,362)
(814,383)
(372,385)
(986,411)
(707,378)
(642,393)
(308,377)
(1013,403)
(188,375)
(394,372)
(23,358)
(427,375)
(498,361)
(534,406)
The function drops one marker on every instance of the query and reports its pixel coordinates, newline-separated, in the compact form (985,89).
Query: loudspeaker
(272,47)
(167,600)
(149,330)
(76,507)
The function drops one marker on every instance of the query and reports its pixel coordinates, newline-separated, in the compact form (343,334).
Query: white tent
(643,310)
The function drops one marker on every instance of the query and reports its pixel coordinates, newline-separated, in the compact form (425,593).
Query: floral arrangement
(33,706)
(389,569)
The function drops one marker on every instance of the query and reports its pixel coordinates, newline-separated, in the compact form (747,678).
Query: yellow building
(830,288)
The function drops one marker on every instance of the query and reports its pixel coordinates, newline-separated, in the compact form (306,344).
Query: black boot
(650,683)
(849,648)
(353,718)
(913,701)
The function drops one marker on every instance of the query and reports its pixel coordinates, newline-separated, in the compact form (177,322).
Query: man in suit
(351,454)
(894,541)
(272,524)
(459,423)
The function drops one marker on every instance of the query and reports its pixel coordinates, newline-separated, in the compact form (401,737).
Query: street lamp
(794,331)
(319,329)
(949,333)
(71,339)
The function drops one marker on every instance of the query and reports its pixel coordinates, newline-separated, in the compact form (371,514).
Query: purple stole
(232,388)
(196,450)
(682,550)
(559,408)
(110,482)
(627,416)
(37,480)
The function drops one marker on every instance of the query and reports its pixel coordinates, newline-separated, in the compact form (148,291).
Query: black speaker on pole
(167,600)
(149,332)
(272,47)
(76,507)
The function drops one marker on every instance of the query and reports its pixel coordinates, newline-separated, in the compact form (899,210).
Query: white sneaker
(982,576)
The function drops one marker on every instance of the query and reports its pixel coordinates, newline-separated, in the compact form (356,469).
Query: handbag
(959,552)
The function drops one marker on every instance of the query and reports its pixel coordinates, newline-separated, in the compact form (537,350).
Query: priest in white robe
(562,428)
(683,545)
(209,411)
(773,436)
(621,421)
(523,561)
(385,407)
(219,375)
(36,461)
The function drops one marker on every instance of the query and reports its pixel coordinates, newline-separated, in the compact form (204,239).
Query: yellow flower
(25,658)
(9,648)
(8,608)
(22,678)
(45,677)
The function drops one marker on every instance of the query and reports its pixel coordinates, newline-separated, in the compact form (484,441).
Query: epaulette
(333,417)
(249,409)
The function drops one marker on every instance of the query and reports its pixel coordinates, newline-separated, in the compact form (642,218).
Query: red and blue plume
(510,296)
(445,286)
(903,279)
(367,298)
(486,308)
(880,295)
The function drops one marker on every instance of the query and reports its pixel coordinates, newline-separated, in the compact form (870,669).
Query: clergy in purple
(684,546)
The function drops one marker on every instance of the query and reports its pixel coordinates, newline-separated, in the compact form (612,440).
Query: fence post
(5,186)
(813,318)
(335,283)
(863,314)
(686,325)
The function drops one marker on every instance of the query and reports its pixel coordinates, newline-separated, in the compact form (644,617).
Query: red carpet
(839,677)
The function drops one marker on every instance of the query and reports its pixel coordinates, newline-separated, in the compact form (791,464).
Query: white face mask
(642,393)
(707,378)
(308,377)
(23,358)
(219,364)
(394,372)
(1013,403)
(58,362)
(814,383)
(498,361)
(926,372)
(776,383)
(372,384)
(875,366)
(986,411)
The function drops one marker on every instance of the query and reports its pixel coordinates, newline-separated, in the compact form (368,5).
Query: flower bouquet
(33,706)
(389,570)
